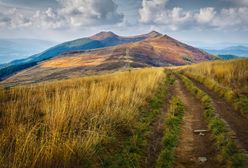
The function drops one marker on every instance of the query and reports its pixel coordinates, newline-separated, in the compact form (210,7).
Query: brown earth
(191,145)
(234,119)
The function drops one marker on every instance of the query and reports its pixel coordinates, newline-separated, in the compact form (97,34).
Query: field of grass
(106,120)
(63,123)
(232,74)
(227,78)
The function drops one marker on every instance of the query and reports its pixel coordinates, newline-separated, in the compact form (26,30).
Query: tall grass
(233,73)
(229,79)
(60,124)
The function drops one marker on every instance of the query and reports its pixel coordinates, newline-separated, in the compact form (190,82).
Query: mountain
(154,51)
(100,40)
(228,57)
(241,51)
(11,49)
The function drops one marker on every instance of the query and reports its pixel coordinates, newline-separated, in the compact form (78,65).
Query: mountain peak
(154,34)
(103,35)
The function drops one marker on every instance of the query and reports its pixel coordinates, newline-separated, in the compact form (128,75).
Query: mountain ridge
(105,39)
(151,52)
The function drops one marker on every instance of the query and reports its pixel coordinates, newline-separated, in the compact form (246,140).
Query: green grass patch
(132,144)
(228,151)
(171,133)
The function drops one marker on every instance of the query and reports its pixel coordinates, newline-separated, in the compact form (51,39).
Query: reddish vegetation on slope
(156,50)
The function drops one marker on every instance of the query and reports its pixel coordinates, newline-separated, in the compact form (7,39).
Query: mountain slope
(156,51)
(229,57)
(11,49)
(100,40)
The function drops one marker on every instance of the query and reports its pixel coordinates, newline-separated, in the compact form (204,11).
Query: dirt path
(234,119)
(155,138)
(192,146)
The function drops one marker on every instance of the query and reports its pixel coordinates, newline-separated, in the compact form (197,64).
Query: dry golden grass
(74,61)
(59,124)
(233,74)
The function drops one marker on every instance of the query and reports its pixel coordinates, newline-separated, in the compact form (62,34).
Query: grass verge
(132,147)
(239,102)
(171,133)
(228,150)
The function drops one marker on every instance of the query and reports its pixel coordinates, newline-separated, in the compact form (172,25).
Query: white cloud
(71,13)
(205,15)
(88,12)
(152,9)
(155,12)
(13,18)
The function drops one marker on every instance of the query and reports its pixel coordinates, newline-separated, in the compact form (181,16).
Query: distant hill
(241,51)
(228,57)
(156,51)
(100,40)
(12,49)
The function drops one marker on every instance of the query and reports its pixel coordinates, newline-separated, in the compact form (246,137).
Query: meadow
(227,78)
(232,74)
(62,123)
(110,120)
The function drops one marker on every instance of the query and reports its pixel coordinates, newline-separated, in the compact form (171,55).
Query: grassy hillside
(61,124)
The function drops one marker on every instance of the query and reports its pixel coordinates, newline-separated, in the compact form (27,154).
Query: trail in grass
(156,135)
(234,119)
(193,148)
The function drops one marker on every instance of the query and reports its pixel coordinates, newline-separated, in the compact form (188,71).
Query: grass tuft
(171,133)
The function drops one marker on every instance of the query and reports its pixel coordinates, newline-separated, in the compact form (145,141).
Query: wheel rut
(237,123)
(193,147)
(156,135)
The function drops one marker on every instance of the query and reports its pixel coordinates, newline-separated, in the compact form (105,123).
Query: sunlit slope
(156,51)
(232,74)
(99,40)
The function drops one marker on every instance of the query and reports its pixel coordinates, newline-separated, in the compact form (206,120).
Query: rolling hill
(241,51)
(12,49)
(100,40)
(229,57)
(157,50)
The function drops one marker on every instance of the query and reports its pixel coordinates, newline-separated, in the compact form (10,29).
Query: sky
(203,21)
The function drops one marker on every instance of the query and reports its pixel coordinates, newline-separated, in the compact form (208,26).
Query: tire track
(237,123)
(193,147)
(156,135)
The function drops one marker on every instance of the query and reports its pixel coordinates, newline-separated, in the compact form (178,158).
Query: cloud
(90,12)
(205,15)
(155,12)
(152,9)
(13,19)
(70,13)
